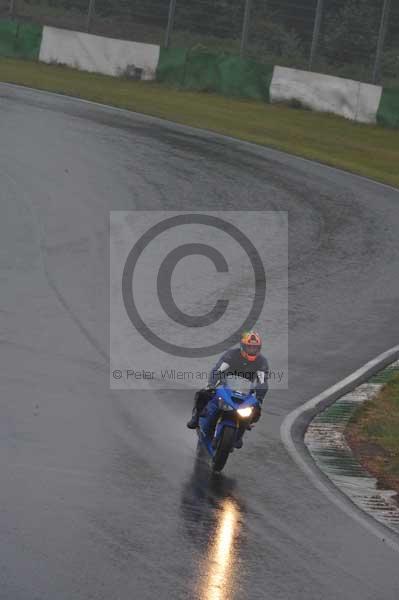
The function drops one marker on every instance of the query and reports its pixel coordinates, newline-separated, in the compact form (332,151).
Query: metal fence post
(381,40)
(171,22)
(11,10)
(316,32)
(90,13)
(245,27)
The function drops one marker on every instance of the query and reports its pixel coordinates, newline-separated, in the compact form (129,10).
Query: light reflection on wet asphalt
(214,520)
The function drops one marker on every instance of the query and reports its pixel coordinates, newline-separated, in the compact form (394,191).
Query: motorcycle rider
(245,361)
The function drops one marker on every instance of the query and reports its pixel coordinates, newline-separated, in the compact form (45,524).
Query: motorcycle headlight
(245,412)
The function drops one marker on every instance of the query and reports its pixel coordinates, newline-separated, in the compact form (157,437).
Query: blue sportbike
(229,411)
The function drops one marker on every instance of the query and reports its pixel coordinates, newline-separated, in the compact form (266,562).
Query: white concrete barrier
(324,93)
(97,54)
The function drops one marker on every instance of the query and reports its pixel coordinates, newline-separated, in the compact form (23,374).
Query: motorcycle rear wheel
(225,445)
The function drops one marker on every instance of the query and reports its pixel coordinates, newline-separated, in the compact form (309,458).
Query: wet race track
(100,492)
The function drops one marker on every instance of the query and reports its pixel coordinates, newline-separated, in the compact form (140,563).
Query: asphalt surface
(100,494)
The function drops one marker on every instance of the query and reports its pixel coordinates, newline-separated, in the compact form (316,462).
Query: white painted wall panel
(369,101)
(93,53)
(324,93)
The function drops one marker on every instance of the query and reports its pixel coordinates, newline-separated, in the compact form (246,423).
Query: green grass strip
(375,429)
(364,149)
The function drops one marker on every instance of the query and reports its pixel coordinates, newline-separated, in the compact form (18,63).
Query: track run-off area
(101,496)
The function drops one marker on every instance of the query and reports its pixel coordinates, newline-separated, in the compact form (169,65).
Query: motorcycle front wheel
(223,450)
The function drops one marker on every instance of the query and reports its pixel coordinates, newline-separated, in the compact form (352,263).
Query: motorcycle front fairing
(223,407)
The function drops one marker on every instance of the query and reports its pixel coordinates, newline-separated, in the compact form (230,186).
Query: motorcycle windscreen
(238,384)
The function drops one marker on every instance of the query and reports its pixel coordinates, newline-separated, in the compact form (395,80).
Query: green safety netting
(20,40)
(388,111)
(223,73)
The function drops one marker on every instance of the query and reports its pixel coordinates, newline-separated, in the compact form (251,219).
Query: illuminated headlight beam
(245,412)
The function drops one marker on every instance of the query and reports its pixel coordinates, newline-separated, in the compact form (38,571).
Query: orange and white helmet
(251,345)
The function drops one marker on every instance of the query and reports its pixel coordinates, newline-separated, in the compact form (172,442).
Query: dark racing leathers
(233,363)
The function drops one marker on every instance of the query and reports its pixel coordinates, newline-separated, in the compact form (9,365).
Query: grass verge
(373,434)
(364,149)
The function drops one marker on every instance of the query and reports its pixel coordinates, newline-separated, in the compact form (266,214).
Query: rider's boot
(193,422)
